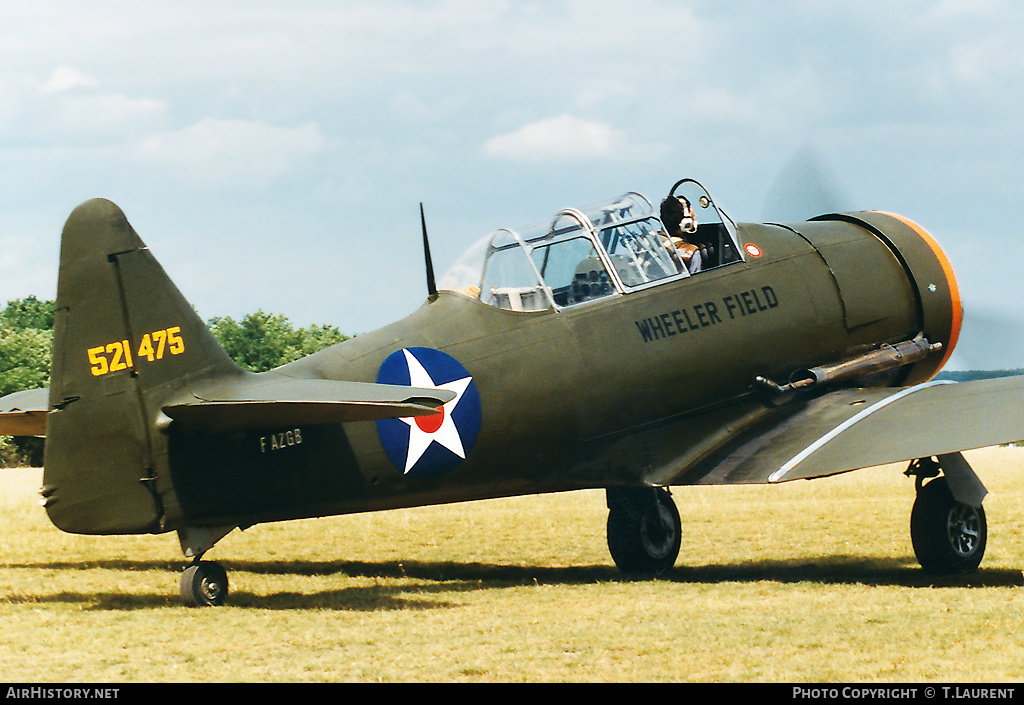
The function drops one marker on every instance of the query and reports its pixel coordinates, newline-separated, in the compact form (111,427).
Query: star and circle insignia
(427,446)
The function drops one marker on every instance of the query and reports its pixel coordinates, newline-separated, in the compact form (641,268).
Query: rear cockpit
(610,248)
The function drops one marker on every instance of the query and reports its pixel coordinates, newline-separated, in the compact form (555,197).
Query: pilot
(679,221)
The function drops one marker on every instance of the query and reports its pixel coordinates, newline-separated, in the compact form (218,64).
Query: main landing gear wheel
(644,531)
(948,536)
(204,584)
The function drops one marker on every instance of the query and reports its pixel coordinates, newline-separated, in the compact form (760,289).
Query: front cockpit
(610,248)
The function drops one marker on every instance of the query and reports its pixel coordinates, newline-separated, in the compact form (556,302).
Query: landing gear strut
(948,535)
(204,583)
(644,531)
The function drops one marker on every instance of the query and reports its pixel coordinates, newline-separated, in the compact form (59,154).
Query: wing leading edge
(858,428)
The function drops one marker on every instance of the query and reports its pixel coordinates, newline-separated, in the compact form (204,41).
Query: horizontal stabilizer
(271,401)
(859,428)
(24,413)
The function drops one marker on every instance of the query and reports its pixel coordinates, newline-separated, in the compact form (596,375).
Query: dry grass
(804,582)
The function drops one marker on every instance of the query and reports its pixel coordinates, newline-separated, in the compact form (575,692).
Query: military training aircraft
(616,346)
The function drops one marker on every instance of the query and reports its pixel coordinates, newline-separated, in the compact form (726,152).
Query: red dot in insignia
(430,424)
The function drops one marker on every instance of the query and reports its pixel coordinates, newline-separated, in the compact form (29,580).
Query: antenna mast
(431,285)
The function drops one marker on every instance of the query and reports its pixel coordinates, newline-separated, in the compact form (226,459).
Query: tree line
(257,342)
(969,375)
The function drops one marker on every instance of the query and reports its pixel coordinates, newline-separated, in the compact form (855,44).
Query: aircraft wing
(24,413)
(856,428)
(278,401)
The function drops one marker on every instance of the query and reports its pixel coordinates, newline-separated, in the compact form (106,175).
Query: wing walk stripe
(780,474)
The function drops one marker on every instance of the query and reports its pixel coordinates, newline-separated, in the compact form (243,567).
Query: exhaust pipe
(885,358)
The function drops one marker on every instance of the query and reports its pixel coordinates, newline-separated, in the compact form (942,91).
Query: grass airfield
(803,582)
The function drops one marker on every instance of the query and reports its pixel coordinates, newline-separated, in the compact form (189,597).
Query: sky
(273,155)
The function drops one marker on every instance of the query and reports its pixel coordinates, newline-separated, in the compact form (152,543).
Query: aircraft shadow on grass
(442,581)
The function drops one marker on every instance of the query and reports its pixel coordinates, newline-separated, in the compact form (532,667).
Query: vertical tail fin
(124,339)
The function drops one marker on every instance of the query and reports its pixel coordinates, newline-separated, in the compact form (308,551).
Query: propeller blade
(804,188)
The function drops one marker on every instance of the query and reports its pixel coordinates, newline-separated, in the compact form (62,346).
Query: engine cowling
(930,273)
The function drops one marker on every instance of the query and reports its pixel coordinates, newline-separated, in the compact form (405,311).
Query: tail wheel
(948,536)
(204,584)
(644,530)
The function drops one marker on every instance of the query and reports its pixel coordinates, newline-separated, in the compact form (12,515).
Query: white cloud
(68,109)
(564,138)
(989,59)
(104,114)
(215,150)
(965,10)
(66,78)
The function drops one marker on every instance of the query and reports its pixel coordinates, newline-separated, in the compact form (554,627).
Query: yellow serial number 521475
(117,356)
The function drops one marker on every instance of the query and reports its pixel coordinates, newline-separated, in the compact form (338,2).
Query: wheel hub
(211,589)
(963,527)
(656,533)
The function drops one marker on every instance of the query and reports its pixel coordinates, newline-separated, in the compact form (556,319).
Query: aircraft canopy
(580,255)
